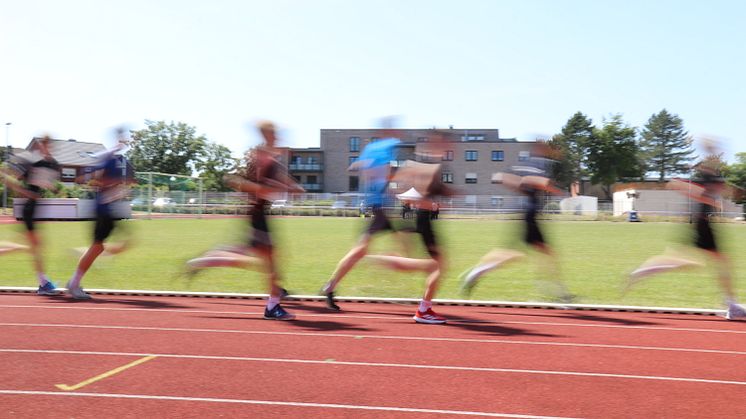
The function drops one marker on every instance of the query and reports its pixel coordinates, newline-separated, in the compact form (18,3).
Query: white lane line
(386,337)
(394,317)
(278,403)
(387,365)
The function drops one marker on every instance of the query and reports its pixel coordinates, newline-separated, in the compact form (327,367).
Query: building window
(421,139)
(496,201)
(297,178)
(524,155)
(69,173)
(354,184)
(448,156)
(446,177)
(312,160)
(472,137)
(471,155)
(498,155)
(297,160)
(354,143)
(313,179)
(374,139)
(353,159)
(471,178)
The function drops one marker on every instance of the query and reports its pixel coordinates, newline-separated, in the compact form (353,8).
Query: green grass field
(594,258)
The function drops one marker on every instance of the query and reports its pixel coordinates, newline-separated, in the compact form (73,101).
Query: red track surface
(217,357)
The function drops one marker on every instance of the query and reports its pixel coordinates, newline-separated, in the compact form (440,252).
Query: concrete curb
(376,300)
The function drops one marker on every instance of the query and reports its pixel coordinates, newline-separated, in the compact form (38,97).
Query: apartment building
(468,165)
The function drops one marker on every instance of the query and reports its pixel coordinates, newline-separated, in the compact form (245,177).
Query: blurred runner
(110,177)
(262,177)
(28,175)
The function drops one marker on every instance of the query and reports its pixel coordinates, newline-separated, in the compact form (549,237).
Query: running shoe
(48,289)
(330,304)
(471,276)
(284,293)
(77,293)
(428,317)
(278,313)
(736,312)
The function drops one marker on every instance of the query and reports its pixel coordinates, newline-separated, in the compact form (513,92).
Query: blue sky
(78,68)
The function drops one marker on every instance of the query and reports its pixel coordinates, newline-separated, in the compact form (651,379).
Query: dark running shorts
(705,239)
(533,234)
(28,214)
(260,237)
(379,222)
(425,229)
(104,227)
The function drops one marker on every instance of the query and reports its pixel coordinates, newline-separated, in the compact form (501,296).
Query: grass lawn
(594,257)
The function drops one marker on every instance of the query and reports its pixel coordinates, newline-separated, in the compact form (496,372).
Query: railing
(309,167)
(312,186)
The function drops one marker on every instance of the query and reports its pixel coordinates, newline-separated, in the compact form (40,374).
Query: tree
(167,148)
(215,163)
(735,174)
(572,143)
(666,146)
(613,154)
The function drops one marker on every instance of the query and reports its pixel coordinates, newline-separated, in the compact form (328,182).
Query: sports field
(594,257)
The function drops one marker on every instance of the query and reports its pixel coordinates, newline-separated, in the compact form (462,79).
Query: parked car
(163,202)
(280,203)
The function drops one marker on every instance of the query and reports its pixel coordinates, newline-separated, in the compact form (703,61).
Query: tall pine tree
(666,146)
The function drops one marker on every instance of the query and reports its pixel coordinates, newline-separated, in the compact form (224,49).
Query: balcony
(312,187)
(308,167)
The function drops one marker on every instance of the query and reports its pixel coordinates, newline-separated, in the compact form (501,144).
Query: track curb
(378,300)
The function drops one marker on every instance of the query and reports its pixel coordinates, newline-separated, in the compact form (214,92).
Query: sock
(425,305)
(75,280)
(43,278)
(327,288)
(272,302)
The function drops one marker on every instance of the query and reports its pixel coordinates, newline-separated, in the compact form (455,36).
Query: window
(496,201)
(354,184)
(421,139)
(354,143)
(353,159)
(374,139)
(471,155)
(448,156)
(472,137)
(524,155)
(446,177)
(312,179)
(498,155)
(297,160)
(312,160)
(69,173)
(471,178)
(297,178)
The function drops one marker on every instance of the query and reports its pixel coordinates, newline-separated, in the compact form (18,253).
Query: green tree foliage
(572,143)
(735,174)
(666,146)
(613,154)
(167,148)
(215,163)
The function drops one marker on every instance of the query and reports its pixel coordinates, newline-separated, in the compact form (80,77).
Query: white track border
(379,300)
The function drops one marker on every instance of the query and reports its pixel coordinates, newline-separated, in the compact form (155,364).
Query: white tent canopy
(410,195)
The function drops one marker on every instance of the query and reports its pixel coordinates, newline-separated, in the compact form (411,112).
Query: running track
(207,357)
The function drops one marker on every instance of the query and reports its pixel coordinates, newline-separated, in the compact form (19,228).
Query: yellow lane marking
(104,375)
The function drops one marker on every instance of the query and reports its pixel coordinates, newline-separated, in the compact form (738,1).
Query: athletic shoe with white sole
(48,289)
(428,317)
(77,293)
(278,313)
(736,312)
(330,304)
